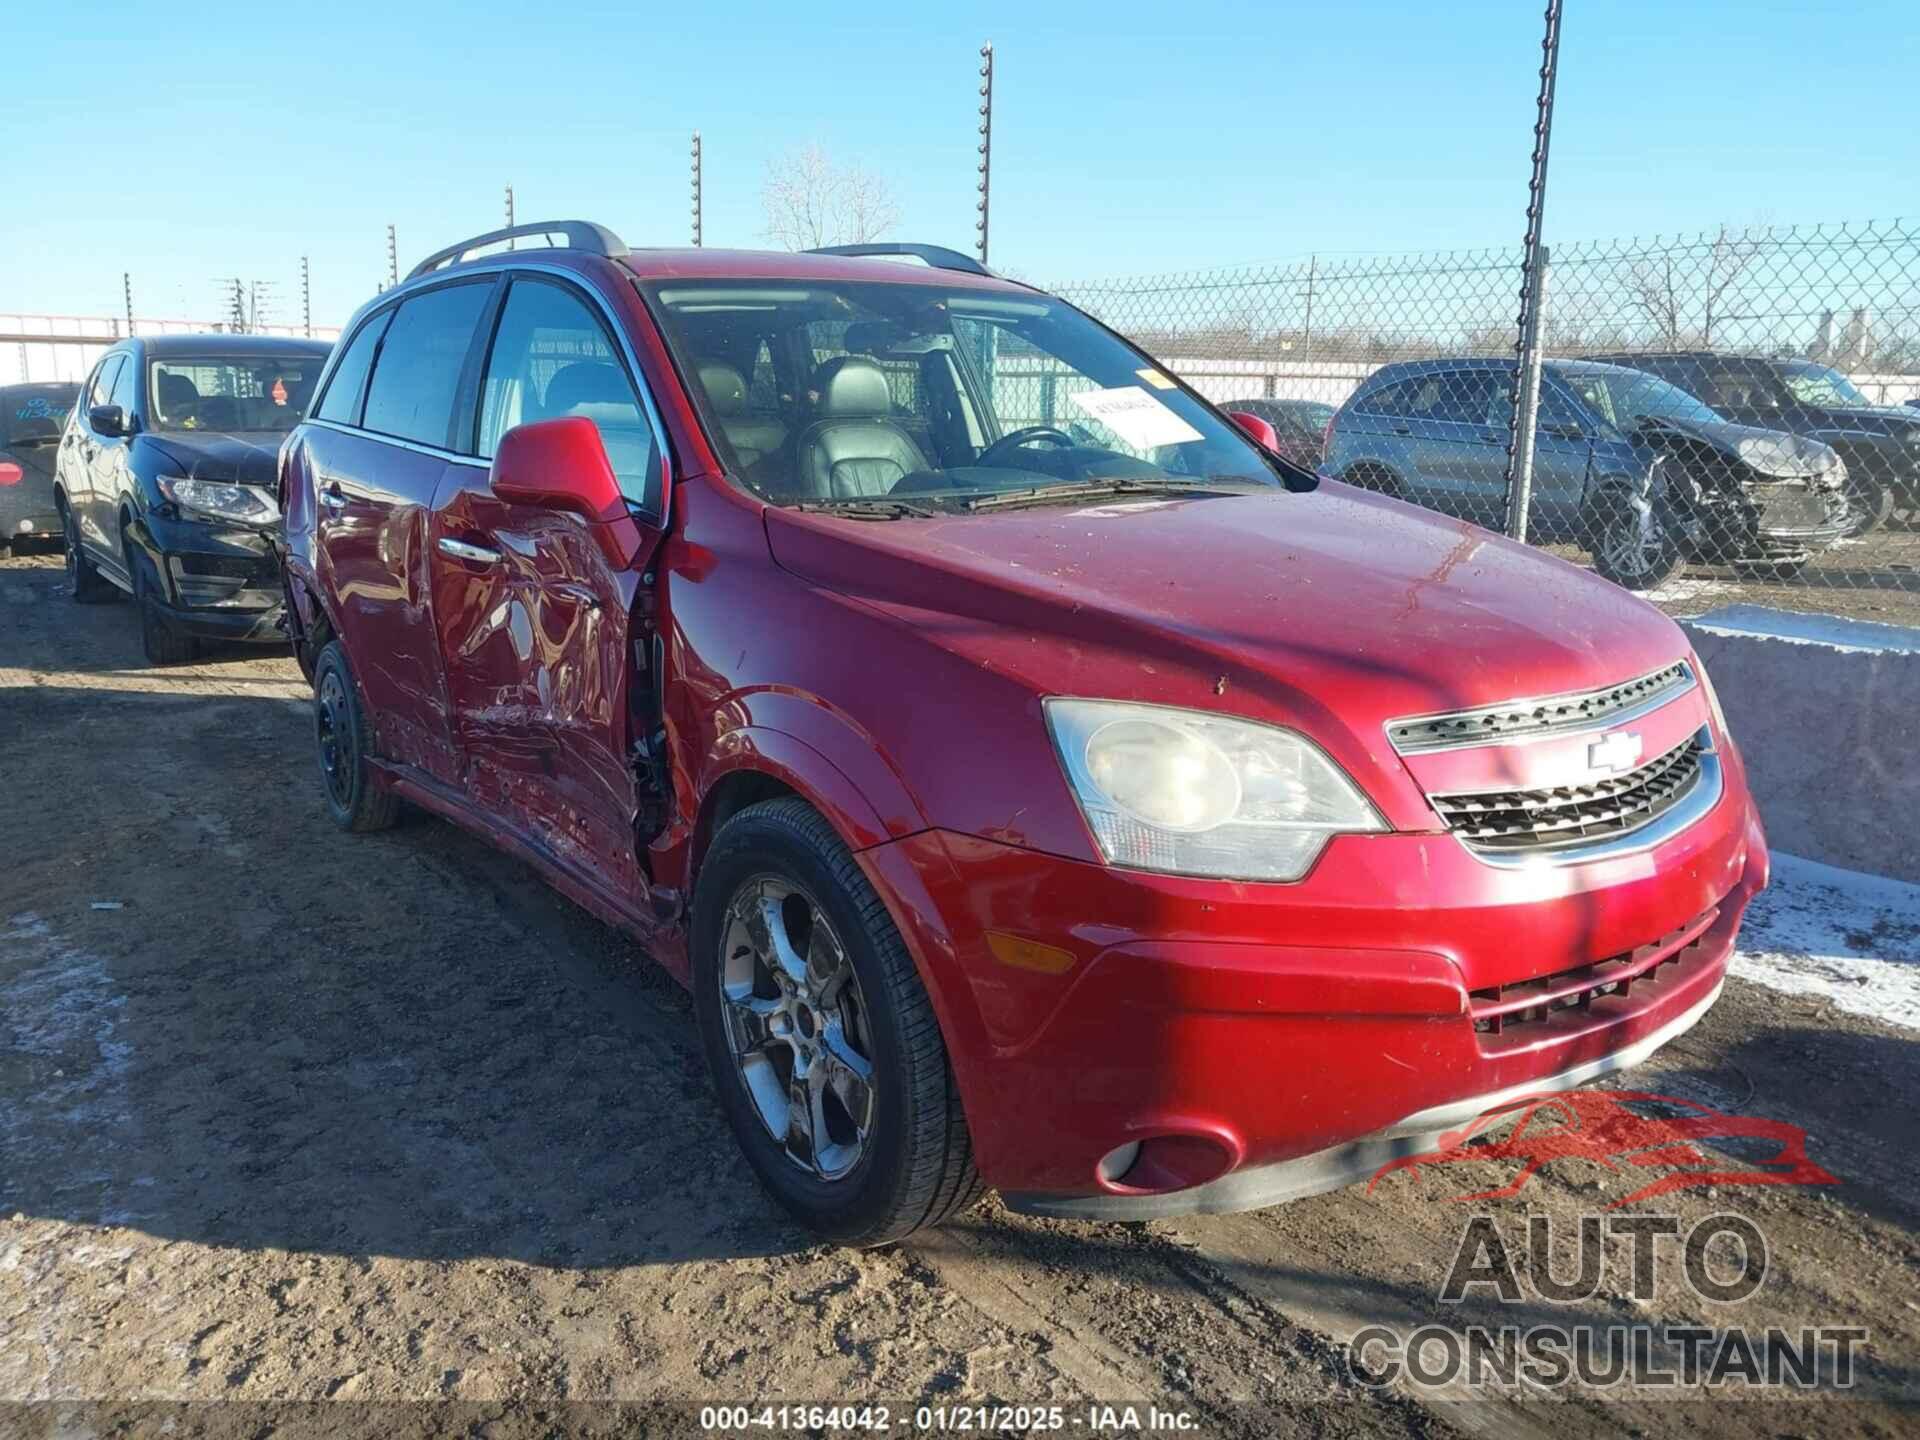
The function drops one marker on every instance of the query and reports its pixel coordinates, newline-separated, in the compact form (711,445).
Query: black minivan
(166,483)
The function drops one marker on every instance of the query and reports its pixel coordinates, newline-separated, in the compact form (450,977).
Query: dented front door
(534,621)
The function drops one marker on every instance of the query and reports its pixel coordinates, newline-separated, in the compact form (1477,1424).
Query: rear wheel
(1377,479)
(85,584)
(822,1042)
(1634,550)
(354,800)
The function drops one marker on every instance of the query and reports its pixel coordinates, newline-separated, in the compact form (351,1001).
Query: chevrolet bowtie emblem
(1616,752)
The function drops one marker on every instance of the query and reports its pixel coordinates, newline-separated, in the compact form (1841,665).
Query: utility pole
(510,244)
(986,145)
(1526,393)
(696,188)
(126,290)
(237,309)
(393,258)
(306,298)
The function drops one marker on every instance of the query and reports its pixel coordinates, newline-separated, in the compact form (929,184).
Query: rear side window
(1391,399)
(342,402)
(553,358)
(417,374)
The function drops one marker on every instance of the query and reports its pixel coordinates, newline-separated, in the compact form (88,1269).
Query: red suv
(1037,782)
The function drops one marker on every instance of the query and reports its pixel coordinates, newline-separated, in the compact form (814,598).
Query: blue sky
(185,142)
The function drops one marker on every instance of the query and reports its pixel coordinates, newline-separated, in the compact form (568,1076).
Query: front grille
(1499,1009)
(1498,724)
(1510,820)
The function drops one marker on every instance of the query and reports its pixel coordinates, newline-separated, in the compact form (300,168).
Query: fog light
(26,527)
(1117,1161)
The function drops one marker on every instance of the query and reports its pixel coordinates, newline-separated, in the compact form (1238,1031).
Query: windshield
(1626,397)
(229,392)
(911,397)
(1813,384)
(35,414)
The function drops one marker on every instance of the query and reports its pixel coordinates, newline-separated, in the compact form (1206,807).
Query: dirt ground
(326,1127)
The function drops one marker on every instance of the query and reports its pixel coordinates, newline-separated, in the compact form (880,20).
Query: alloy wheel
(1633,542)
(796,1026)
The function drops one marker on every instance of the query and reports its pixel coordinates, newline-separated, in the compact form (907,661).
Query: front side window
(341,403)
(945,399)
(103,378)
(1736,385)
(254,392)
(551,358)
(417,375)
(1822,385)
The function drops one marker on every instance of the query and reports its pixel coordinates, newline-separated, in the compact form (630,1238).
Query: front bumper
(1246,1036)
(218,582)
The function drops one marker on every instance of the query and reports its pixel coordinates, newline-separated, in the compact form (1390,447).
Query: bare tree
(1651,285)
(809,202)
(1665,297)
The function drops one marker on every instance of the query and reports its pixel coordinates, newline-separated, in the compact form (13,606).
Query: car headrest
(584,383)
(177,390)
(726,387)
(850,387)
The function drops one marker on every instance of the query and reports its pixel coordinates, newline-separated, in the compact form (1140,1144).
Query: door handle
(578,594)
(461,550)
(1403,429)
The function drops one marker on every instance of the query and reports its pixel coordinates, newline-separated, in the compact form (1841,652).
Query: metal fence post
(1526,395)
(1527,404)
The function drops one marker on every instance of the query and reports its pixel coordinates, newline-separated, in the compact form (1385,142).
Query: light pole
(986,145)
(306,298)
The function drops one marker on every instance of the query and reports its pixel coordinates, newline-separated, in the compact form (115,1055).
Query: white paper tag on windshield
(1135,416)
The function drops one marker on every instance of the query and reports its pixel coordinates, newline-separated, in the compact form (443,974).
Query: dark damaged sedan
(166,483)
(31,418)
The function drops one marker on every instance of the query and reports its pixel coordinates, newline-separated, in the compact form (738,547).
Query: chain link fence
(37,349)
(1722,416)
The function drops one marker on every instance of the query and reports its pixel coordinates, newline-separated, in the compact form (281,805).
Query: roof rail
(581,235)
(938,256)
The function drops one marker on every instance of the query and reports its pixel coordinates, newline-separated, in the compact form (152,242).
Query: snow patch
(1849,937)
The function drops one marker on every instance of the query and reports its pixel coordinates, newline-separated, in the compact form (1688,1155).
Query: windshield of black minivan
(227,392)
(894,399)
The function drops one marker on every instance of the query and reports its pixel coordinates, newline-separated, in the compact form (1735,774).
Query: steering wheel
(996,453)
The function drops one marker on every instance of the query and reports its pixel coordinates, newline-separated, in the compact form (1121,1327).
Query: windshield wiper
(1094,489)
(872,509)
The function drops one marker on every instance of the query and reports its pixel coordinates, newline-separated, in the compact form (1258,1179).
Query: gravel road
(315,1124)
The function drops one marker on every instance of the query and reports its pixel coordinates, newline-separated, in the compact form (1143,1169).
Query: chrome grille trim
(1688,784)
(1519,721)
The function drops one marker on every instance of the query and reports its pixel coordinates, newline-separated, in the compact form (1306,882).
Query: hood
(242,457)
(1334,610)
(1786,456)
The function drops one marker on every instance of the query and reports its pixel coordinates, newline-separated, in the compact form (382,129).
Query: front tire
(354,799)
(160,639)
(1869,502)
(1632,554)
(821,1039)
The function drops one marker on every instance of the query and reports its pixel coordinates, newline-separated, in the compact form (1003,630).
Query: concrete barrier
(1827,713)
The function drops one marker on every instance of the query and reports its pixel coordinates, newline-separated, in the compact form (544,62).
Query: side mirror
(562,465)
(108,420)
(1259,431)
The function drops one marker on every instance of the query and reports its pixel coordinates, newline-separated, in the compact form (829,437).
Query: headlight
(1199,794)
(1787,456)
(244,503)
